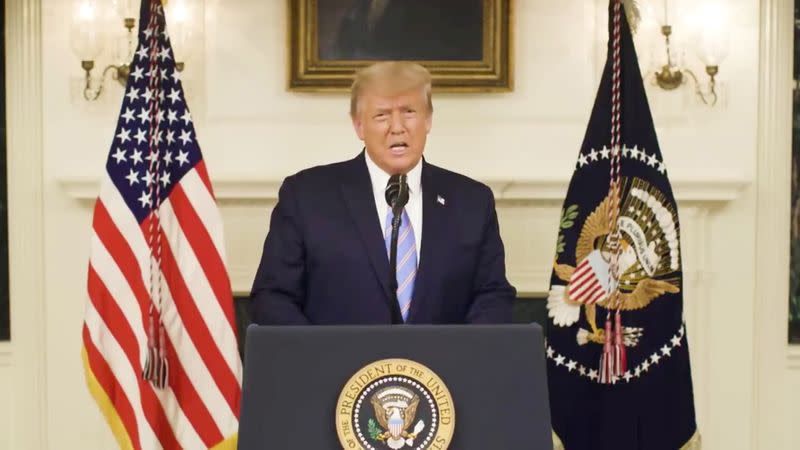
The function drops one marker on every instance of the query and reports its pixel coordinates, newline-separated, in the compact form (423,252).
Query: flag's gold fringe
(117,428)
(557,445)
(106,407)
(633,13)
(693,444)
(227,444)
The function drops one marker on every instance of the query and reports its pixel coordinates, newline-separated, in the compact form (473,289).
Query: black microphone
(397,192)
(396,196)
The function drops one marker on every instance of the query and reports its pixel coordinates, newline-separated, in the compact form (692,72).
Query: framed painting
(466,44)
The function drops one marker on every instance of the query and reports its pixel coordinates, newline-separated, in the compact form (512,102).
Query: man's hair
(390,78)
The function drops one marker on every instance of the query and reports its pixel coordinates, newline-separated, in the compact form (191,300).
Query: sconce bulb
(180,13)
(87,32)
(711,26)
(126,8)
(181,23)
(649,18)
(86,11)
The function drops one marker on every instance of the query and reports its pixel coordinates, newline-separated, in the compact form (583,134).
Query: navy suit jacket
(325,262)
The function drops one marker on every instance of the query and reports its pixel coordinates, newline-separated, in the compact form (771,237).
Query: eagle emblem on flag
(648,262)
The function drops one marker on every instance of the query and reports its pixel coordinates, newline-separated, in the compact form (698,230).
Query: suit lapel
(434,231)
(357,192)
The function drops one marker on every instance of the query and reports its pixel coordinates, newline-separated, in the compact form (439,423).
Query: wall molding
(793,357)
(699,198)
(771,410)
(714,192)
(26,230)
(534,203)
(6,353)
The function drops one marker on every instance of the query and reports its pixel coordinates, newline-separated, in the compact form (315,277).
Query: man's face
(394,128)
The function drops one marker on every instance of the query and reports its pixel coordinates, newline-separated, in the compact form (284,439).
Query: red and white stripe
(200,406)
(585,286)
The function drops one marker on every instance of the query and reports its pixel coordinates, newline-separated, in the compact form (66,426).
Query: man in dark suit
(326,259)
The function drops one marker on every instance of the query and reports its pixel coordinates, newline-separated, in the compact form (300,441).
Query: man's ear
(429,122)
(358,125)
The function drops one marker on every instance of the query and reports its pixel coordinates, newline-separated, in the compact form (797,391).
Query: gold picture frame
(466,49)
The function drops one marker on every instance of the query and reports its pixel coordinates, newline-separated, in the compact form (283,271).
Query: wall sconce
(705,33)
(96,28)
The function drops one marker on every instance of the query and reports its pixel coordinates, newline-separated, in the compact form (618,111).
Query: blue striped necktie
(406,260)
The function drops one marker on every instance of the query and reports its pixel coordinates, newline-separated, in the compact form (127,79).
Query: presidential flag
(617,354)
(159,338)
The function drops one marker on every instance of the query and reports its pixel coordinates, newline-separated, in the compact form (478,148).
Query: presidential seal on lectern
(395,404)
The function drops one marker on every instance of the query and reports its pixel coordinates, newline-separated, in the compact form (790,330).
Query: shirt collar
(379,177)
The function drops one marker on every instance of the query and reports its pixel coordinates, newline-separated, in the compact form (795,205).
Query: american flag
(159,337)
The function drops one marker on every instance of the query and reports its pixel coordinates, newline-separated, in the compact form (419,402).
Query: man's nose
(397,126)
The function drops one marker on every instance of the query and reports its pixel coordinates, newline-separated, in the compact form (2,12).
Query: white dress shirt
(414,206)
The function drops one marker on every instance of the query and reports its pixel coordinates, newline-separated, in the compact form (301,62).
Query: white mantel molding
(5,354)
(714,191)
(793,357)
(528,271)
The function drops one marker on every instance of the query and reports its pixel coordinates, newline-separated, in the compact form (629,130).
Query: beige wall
(253,133)
(5,392)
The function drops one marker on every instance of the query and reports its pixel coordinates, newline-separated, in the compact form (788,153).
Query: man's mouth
(398,146)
